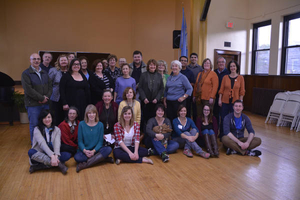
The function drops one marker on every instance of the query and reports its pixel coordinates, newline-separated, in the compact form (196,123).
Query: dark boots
(208,145)
(215,145)
(97,158)
(63,168)
(37,167)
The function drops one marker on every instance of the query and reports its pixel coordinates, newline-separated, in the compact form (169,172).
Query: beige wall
(114,26)
(244,13)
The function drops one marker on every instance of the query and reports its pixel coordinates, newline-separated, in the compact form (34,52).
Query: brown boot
(97,158)
(63,168)
(208,145)
(215,145)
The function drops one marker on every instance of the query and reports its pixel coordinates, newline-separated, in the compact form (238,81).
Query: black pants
(68,148)
(59,113)
(172,107)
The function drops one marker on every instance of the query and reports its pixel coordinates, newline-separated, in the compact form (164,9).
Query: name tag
(179,126)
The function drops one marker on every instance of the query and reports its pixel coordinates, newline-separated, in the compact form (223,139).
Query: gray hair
(176,62)
(220,59)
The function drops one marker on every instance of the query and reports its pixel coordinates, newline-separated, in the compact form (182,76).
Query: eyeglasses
(221,62)
(35,59)
(76,64)
(183,60)
(206,109)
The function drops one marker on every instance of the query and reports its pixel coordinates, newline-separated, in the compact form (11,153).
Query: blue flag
(183,37)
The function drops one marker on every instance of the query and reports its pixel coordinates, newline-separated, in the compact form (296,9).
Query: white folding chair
(277,106)
(289,113)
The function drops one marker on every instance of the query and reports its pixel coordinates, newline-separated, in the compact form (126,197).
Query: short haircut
(84,58)
(207,59)
(238,101)
(164,63)
(136,52)
(180,108)
(183,57)
(160,106)
(122,120)
(176,62)
(126,91)
(236,64)
(125,64)
(48,53)
(57,65)
(95,63)
(72,63)
(151,61)
(111,56)
(107,90)
(90,108)
(219,58)
(194,54)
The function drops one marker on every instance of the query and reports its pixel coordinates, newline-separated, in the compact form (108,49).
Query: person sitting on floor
(234,127)
(45,152)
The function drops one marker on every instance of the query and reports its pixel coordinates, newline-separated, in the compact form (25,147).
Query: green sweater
(90,137)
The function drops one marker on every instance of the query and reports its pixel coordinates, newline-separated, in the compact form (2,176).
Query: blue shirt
(189,74)
(121,84)
(177,86)
(180,128)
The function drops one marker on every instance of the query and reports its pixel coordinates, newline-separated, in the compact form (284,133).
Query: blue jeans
(159,148)
(81,157)
(192,145)
(208,131)
(33,116)
(64,156)
(225,110)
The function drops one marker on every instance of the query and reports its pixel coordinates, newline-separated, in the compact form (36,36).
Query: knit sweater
(136,110)
(67,137)
(209,86)
(237,90)
(90,137)
(39,143)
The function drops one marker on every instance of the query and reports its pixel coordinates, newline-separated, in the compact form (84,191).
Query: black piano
(6,97)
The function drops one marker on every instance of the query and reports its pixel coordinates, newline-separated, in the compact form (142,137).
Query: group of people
(93,113)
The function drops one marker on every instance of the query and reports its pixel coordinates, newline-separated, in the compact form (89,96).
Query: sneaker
(150,152)
(230,151)
(253,153)
(188,153)
(165,157)
(118,161)
(204,155)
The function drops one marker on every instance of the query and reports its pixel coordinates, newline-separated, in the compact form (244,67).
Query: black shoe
(165,157)
(254,153)
(109,160)
(230,151)
(37,167)
(150,152)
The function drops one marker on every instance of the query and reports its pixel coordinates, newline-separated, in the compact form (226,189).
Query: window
(290,62)
(261,47)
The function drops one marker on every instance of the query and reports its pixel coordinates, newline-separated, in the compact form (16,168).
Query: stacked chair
(286,110)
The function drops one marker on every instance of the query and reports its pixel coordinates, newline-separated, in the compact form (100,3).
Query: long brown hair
(209,116)
(122,120)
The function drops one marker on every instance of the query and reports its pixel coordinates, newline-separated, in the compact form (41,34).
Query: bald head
(35,60)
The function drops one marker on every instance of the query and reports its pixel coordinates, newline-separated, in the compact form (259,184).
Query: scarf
(200,80)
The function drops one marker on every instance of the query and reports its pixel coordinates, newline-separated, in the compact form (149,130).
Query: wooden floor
(274,175)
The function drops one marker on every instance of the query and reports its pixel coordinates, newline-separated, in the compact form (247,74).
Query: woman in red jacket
(69,132)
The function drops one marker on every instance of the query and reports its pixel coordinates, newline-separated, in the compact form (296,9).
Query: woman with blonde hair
(127,134)
(90,140)
(55,74)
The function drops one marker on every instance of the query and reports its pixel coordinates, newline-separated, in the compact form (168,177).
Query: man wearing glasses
(37,89)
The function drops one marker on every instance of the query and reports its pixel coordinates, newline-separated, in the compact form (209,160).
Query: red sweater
(66,136)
